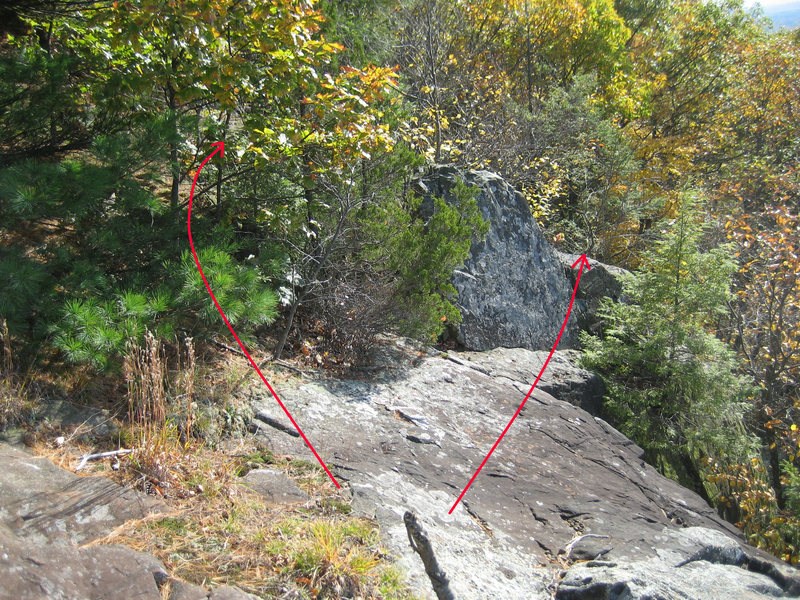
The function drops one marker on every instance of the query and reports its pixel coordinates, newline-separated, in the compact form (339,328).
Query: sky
(768,3)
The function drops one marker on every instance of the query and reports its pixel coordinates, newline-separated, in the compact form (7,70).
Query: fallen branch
(266,419)
(422,546)
(279,363)
(228,348)
(568,548)
(87,457)
(262,365)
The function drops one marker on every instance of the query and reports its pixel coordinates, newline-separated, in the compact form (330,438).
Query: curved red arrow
(220,147)
(584,263)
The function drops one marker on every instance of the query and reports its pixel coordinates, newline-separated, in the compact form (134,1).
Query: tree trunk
(173,151)
(276,354)
(768,398)
(220,207)
(774,469)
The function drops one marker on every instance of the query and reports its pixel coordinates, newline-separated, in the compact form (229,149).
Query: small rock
(227,592)
(182,590)
(276,487)
(589,547)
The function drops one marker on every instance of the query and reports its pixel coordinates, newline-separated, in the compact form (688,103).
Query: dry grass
(155,439)
(16,404)
(7,363)
(222,533)
(143,368)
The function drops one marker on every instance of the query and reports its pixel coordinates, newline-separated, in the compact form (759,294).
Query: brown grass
(222,533)
(188,375)
(143,368)
(16,403)
(7,364)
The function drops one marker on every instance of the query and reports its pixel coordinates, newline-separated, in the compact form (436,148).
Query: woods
(663,137)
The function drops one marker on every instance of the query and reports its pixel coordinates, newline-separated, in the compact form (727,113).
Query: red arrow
(584,263)
(220,147)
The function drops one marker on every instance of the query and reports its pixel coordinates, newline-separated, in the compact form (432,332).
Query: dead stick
(87,457)
(422,546)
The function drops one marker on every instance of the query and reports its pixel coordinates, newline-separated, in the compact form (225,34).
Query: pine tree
(672,385)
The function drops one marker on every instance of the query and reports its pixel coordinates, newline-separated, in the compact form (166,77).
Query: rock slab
(562,378)
(563,486)
(45,504)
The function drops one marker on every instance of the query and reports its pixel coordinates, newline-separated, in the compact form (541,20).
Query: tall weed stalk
(154,402)
(16,403)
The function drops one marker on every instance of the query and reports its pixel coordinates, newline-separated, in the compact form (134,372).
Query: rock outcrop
(601,281)
(43,504)
(46,512)
(511,290)
(562,379)
(49,518)
(566,506)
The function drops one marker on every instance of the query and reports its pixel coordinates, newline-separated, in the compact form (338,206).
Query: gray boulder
(601,281)
(511,290)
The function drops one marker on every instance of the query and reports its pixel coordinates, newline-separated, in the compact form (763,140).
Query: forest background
(660,136)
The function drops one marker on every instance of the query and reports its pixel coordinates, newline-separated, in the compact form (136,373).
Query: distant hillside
(785,15)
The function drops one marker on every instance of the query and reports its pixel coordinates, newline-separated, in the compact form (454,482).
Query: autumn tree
(752,143)
(762,492)
(682,55)
(469,64)
(766,325)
